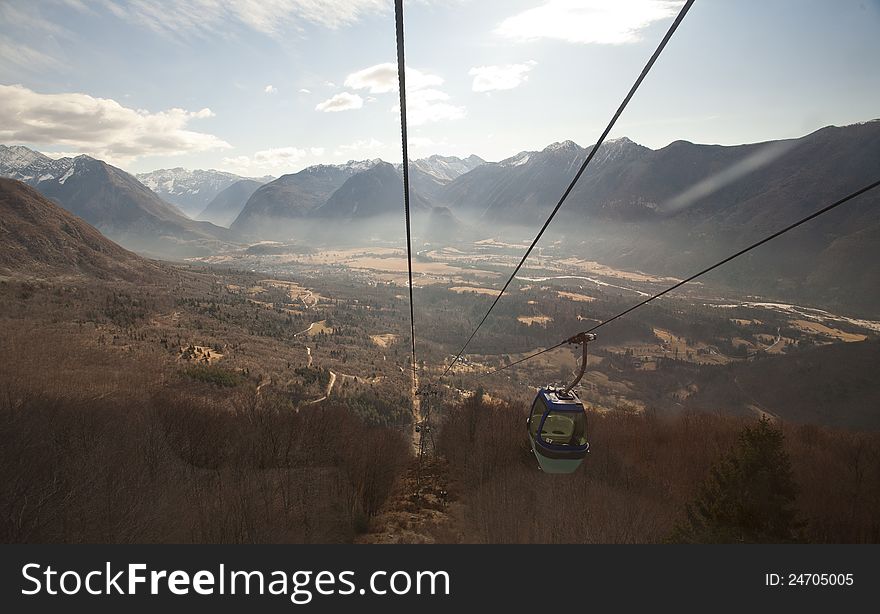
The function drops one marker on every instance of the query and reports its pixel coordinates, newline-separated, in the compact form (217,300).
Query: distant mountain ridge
(667,211)
(279,207)
(191,190)
(293,197)
(447,168)
(370,193)
(229,202)
(112,201)
(250,208)
(678,208)
(19,162)
(522,186)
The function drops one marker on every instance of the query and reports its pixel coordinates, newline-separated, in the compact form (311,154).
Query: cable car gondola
(557,424)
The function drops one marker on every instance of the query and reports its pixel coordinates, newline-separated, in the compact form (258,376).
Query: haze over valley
(665,212)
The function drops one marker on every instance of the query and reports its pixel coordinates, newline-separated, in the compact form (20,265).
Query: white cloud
(305,91)
(369,148)
(421,142)
(378,79)
(427,144)
(430,105)
(382,78)
(417,80)
(424,102)
(507,77)
(270,89)
(275,161)
(588,21)
(343,101)
(214,17)
(268,159)
(99,126)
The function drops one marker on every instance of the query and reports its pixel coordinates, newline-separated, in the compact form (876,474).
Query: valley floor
(257,391)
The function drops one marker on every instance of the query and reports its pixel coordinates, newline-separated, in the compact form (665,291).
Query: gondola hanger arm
(583,339)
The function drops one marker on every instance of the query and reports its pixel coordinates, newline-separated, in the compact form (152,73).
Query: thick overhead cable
(401,82)
(583,166)
(776,234)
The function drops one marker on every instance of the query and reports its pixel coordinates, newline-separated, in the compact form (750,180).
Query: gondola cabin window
(564,428)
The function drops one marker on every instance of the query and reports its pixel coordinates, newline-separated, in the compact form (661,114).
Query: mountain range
(225,207)
(114,202)
(292,197)
(677,209)
(358,190)
(129,212)
(430,175)
(373,192)
(524,187)
(670,211)
(192,190)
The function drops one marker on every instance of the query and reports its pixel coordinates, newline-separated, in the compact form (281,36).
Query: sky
(268,87)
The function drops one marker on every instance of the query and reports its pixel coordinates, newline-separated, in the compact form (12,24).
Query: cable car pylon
(426,395)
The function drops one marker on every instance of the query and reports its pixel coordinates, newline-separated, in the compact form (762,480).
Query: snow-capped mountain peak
(20,156)
(358,166)
(566,145)
(519,159)
(189,189)
(447,168)
(615,149)
(33,167)
(181,181)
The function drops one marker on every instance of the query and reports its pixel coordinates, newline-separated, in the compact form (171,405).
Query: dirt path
(305,330)
(775,343)
(308,294)
(320,324)
(330,385)
(434,517)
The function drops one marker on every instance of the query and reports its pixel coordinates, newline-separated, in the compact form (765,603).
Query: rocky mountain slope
(114,202)
(37,237)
